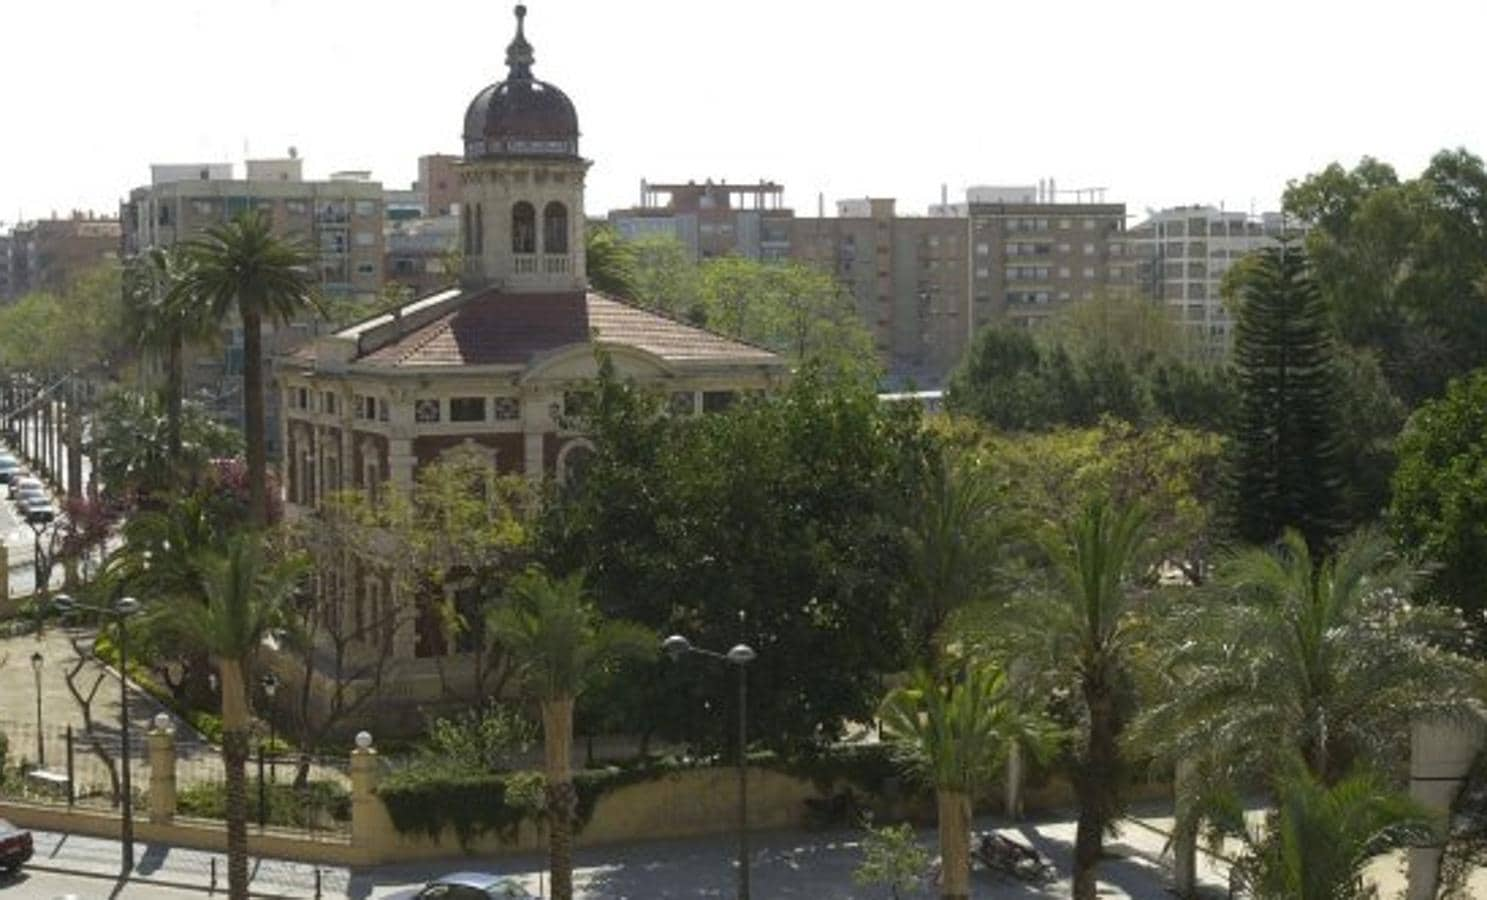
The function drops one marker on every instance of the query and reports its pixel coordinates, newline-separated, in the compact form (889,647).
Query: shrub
(426,799)
(287,806)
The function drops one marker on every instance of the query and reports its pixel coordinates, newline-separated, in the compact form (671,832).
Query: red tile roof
(511,329)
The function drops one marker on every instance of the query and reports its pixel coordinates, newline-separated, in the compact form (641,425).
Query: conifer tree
(1284,469)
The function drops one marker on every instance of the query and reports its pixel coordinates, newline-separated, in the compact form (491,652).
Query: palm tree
(1086,634)
(163,320)
(1323,658)
(242,267)
(1318,839)
(559,643)
(956,732)
(952,544)
(243,594)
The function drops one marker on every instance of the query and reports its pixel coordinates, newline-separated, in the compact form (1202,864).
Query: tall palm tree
(952,542)
(164,320)
(1086,634)
(243,594)
(956,732)
(1318,839)
(242,267)
(559,643)
(1294,655)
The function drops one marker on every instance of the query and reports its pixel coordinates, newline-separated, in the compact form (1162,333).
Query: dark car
(16,848)
(9,467)
(474,886)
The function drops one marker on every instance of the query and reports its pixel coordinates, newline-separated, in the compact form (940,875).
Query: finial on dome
(519,56)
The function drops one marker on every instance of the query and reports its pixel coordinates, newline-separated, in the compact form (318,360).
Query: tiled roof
(511,329)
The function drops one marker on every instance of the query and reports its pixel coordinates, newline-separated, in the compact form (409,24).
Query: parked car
(16,847)
(474,886)
(29,495)
(10,467)
(21,481)
(41,510)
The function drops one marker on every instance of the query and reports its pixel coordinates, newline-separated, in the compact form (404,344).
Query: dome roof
(520,116)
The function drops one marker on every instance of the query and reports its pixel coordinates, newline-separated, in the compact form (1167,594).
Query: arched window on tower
(555,228)
(479,229)
(523,228)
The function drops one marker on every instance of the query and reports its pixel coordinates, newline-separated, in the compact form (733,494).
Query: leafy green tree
(954,733)
(1284,469)
(1320,837)
(667,279)
(1439,506)
(132,437)
(559,643)
(243,268)
(242,595)
(778,522)
(892,857)
(1399,261)
(610,261)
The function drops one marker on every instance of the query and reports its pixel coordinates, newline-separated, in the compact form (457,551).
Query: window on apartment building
(555,228)
(329,406)
(296,207)
(1063,271)
(302,398)
(983,249)
(523,228)
(203,207)
(1089,224)
(983,273)
(467,409)
(366,268)
(365,239)
(1089,249)
(366,208)
(426,410)
(382,410)
(506,409)
(1089,271)
(1065,224)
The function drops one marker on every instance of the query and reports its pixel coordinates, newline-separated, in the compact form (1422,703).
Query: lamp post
(740,655)
(36,662)
(122,609)
(270,688)
(40,566)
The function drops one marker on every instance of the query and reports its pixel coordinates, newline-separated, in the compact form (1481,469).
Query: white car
(25,481)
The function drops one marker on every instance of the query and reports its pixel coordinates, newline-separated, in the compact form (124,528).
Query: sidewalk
(177,867)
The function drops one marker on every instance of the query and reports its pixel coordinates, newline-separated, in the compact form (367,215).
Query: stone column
(1442,752)
(162,750)
(1184,840)
(367,814)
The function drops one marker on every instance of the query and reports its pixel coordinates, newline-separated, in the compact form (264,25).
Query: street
(34,884)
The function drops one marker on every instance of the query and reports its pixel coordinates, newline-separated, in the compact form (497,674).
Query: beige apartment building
(922,284)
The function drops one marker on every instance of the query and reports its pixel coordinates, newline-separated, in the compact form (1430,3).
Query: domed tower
(521,183)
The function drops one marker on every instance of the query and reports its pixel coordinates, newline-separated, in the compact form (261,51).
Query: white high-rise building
(1183,253)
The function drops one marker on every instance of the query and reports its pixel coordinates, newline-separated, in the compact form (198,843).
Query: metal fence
(80,767)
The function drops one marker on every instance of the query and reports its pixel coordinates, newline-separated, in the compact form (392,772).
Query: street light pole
(740,655)
(121,610)
(270,688)
(36,662)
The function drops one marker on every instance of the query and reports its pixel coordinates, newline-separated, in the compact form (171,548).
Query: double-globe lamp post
(270,683)
(122,609)
(741,655)
(36,663)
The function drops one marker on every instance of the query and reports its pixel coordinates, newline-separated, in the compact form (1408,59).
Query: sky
(1161,103)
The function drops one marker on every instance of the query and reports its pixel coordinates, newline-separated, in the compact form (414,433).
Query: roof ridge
(630,304)
(434,329)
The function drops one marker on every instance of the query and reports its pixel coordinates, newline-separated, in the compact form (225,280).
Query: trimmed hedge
(288,807)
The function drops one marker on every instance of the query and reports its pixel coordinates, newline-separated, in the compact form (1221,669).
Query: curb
(157,882)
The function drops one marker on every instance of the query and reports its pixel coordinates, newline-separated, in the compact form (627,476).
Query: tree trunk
(955,844)
(174,377)
(235,759)
(1094,784)
(253,417)
(75,441)
(557,747)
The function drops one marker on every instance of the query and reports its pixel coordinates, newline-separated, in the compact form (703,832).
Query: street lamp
(676,646)
(36,661)
(41,567)
(122,609)
(270,688)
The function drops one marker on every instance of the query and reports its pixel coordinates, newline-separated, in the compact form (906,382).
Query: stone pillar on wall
(368,817)
(1442,752)
(162,751)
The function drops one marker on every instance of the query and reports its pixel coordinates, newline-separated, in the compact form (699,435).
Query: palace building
(491,366)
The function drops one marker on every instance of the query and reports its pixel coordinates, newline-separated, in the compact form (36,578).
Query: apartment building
(1029,260)
(438,184)
(711,219)
(1182,254)
(339,219)
(420,252)
(46,254)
